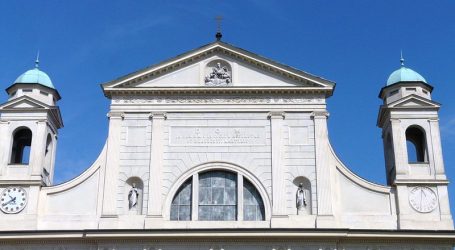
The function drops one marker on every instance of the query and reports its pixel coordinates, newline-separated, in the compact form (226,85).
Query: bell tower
(29,123)
(409,121)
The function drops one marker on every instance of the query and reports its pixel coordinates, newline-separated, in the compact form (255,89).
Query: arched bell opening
(21,147)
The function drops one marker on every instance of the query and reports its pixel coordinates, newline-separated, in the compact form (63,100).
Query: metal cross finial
(37,60)
(218,35)
(401,58)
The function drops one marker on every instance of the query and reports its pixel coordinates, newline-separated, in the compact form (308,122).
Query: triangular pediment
(24,102)
(414,101)
(218,65)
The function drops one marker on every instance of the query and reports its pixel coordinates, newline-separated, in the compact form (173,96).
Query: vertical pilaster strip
(435,140)
(399,147)
(4,146)
(278,169)
(53,156)
(323,175)
(37,148)
(156,165)
(112,165)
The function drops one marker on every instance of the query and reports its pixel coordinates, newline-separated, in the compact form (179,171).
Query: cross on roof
(218,35)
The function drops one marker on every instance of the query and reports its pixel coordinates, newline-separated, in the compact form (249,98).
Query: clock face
(423,199)
(13,200)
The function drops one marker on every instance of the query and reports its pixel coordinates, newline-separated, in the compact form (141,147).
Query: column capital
(320,114)
(115,115)
(158,115)
(276,115)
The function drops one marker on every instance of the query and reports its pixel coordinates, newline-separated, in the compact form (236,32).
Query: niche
(134,190)
(302,190)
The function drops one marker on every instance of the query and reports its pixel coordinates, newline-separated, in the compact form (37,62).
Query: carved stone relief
(218,74)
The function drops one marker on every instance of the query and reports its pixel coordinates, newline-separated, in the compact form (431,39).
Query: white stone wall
(135,146)
(299,157)
(183,154)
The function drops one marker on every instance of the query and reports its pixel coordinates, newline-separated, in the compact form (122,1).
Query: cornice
(111,92)
(185,235)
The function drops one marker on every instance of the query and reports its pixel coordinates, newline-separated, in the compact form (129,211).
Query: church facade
(220,148)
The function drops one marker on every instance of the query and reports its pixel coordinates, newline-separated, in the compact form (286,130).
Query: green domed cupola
(35,76)
(404,74)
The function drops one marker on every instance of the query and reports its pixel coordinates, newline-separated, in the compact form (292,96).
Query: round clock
(423,199)
(13,200)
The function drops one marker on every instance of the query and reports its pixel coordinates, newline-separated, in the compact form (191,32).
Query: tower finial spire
(218,27)
(37,60)
(401,58)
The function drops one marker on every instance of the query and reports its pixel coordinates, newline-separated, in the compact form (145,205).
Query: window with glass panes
(217,198)
(181,204)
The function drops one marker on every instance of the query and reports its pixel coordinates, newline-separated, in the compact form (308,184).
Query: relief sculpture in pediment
(220,75)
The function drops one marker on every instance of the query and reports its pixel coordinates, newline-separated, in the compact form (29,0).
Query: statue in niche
(133,196)
(301,199)
(219,76)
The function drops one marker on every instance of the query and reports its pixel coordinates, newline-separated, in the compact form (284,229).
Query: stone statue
(218,76)
(301,199)
(133,196)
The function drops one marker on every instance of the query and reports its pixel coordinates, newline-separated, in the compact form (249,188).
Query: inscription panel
(216,135)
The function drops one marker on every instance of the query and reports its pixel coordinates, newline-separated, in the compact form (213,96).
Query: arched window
(416,145)
(22,141)
(217,196)
(218,193)
(181,204)
(253,207)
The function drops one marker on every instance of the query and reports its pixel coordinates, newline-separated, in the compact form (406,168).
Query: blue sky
(354,43)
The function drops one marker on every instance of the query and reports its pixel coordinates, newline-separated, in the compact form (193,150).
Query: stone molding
(235,99)
(320,114)
(115,115)
(276,115)
(158,115)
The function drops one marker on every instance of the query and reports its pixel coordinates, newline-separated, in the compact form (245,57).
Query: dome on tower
(35,76)
(404,74)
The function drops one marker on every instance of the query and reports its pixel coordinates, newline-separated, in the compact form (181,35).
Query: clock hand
(421,192)
(8,202)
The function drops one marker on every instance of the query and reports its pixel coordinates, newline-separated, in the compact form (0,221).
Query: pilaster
(4,146)
(399,146)
(323,175)
(112,165)
(156,165)
(37,148)
(278,168)
(53,156)
(435,140)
